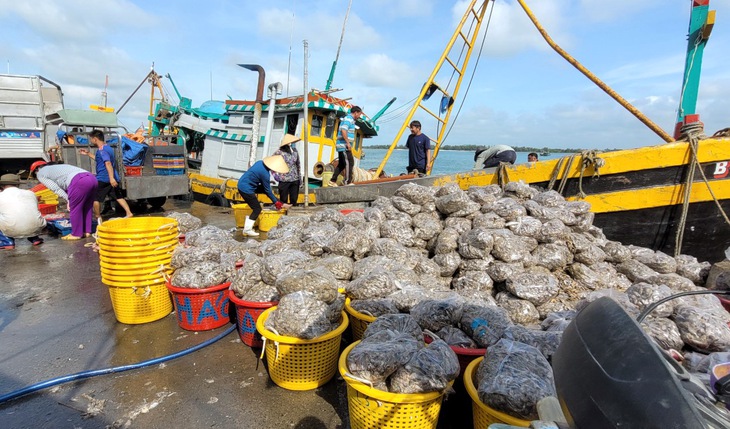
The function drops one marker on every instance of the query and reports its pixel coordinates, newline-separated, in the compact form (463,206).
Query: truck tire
(156,202)
(217,199)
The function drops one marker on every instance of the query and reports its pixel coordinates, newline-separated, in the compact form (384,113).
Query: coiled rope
(588,158)
(693,133)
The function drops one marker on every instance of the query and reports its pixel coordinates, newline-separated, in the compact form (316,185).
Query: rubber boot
(248,228)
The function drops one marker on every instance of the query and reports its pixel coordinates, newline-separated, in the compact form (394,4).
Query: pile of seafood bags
(498,268)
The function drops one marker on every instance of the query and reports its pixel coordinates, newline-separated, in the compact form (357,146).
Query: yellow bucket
(298,364)
(240,211)
(268,219)
(372,408)
(485,415)
(140,304)
(358,322)
(138,225)
(326,177)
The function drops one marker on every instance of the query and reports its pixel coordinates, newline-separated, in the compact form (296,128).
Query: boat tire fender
(217,199)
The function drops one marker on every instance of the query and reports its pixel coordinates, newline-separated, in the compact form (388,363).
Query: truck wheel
(156,202)
(216,199)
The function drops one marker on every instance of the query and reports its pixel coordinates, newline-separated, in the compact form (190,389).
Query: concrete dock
(56,319)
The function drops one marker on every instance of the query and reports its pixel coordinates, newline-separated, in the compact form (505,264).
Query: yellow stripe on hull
(205,185)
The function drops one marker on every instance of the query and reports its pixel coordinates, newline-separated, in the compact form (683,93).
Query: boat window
(278,123)
(291,124)
(358,142)
(248,119)
(316,129)
(330,128)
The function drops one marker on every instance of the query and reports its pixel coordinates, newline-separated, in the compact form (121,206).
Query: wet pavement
(56,319)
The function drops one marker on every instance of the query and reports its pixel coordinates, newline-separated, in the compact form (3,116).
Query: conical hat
(276,163)
(289,139)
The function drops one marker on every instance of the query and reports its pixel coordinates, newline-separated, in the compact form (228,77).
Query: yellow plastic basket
(139,255)
(268,219)
(147,275)
(358,322)
(138,225)
(298,364)
(240,211)
(140,304)
(116,240)
(125,260)
(134,266)
(485,415)
(156,247)
(372,408)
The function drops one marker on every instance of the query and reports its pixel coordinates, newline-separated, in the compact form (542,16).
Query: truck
(25,135)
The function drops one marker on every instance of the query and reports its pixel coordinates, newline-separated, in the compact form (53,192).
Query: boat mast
(700,26)
(334,63)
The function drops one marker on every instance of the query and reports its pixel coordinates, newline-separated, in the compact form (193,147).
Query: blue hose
(93,373)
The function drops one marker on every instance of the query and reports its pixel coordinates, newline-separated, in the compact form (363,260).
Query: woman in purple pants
(75,185)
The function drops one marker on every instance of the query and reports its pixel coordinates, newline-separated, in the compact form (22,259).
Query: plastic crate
(132,171)
(169,171)
(47,209)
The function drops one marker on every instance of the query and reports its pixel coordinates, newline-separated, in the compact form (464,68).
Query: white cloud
(379,70)
(615,10)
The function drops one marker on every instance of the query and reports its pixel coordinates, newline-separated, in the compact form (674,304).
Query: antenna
(103,93)
(291,39)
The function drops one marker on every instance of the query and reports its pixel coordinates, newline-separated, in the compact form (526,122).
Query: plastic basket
(125,262)
(358,322)
(247,313)
(132,171)
(38,188)
(372,408)
(464,354)
(140,245)
(128,284)
(483,414)
(140,304)
(725,302)
(169,171)
(268,219)
(134,226)
(201,309)
(297,364)
(240,211)
(47,209)
(134,266)
(147,275)
(142,255)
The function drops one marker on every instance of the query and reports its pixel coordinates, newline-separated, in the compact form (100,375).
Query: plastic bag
(300,315)
(485,325)
(457,204)
(319,281)
(536,285)
(375,307)
(185,221)
(545,341)
(558,320)
(473,280)
(436,314)
(405,205)
(664,332)
(430,369)
(417,194)
(520,311)
(513,377)
(402,323)
(456,337)
(426,226)
(702,330)
(374,284)
(378,356)
(644,294)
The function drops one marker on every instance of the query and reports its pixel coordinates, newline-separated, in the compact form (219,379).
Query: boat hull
(636,194)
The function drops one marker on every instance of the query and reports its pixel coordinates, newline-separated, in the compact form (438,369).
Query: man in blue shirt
(345,140)
(258,179)
(106,174)
(419,150)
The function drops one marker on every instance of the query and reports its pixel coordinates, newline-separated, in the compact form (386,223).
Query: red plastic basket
(247,313)
(464,354)
(200,309)
(348,211)
(725,302)
(132,171)
(47,209)
(39,187)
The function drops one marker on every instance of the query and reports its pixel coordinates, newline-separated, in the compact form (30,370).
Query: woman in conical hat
(289,182)
(255,180)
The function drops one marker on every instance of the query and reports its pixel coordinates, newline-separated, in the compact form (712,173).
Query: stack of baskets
(135,256)
(168,165)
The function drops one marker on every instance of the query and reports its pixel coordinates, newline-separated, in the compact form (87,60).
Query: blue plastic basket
(55,227)
(169,171)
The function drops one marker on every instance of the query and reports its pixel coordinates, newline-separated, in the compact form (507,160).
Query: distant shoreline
(472,148)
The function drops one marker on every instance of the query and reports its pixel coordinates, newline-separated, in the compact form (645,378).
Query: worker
(493,156)
(75,185)
(19,214)
(419,150)
(532,157)
(289,183)
(258,179)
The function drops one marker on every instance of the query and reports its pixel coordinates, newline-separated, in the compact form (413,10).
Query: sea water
(447,162)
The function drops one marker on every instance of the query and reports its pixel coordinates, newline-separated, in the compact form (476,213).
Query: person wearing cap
(258,179)
(19,214)
(345,140)
(289,182)
(75,185)
(106,174)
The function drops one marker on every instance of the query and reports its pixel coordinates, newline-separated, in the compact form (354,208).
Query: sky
(520,93)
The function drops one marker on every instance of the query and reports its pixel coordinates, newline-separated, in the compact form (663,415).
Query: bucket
(485,415)
(372,408)
(326,177)
(135,305)
(298,364)
(358,322)
(247,313)
(201,309)
(240,211)
(268,219)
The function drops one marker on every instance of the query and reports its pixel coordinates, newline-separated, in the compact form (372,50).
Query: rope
(725,132)
(502,174)
(694,133)
(588,158)
(554,176)
(566,173)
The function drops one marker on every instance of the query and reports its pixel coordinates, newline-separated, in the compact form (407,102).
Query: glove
(278,205)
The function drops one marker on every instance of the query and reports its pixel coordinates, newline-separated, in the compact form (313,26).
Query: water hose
(93,373)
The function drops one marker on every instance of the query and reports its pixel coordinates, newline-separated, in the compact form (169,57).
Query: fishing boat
(672,197)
